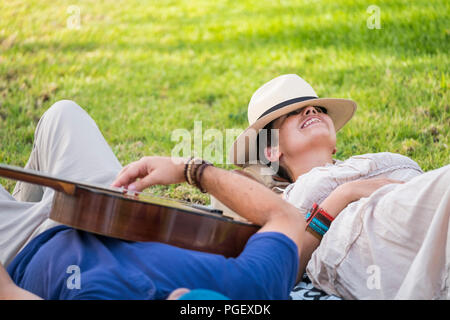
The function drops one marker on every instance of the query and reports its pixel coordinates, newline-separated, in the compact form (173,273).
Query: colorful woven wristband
(318,221)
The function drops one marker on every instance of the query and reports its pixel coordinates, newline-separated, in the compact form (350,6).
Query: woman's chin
(318,132)
(318,139)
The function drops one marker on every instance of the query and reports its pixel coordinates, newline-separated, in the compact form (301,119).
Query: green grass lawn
(143,69)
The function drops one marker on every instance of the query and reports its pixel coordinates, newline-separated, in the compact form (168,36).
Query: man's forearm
(248,198)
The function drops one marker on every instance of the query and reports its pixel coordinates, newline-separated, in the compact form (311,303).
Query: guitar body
(138,216)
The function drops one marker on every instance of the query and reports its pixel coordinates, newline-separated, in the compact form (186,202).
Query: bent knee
(64,106)
(64,109)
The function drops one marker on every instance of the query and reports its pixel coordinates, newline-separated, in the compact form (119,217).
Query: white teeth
(307,123)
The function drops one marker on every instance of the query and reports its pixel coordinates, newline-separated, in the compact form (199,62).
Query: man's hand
(151,171)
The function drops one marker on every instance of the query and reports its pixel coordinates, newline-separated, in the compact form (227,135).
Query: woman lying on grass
(392,243)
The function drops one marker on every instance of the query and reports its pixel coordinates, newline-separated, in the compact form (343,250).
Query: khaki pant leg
(68,144)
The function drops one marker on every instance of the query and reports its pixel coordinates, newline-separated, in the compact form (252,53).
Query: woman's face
(303,130)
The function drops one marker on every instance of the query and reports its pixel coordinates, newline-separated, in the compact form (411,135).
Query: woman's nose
(309,110)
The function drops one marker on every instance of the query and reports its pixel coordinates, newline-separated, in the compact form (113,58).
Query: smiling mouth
(309,122)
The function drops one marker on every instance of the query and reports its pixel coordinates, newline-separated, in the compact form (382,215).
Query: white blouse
(319,182)
(362,239)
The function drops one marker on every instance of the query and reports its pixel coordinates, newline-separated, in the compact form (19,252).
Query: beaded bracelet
(318,221)
(193,171)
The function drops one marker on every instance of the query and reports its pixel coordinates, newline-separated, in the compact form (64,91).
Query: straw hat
(276,98)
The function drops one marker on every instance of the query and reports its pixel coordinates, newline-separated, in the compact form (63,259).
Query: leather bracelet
(194,170)
(199,175)
(186,169)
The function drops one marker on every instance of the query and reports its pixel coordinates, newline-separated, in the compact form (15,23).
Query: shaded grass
(144,69)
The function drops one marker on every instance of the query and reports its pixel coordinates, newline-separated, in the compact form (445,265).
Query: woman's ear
(272,154)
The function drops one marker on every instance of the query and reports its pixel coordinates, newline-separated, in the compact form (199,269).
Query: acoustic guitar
(137,216)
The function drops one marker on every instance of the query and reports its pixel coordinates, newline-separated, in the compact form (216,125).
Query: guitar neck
(31,176)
